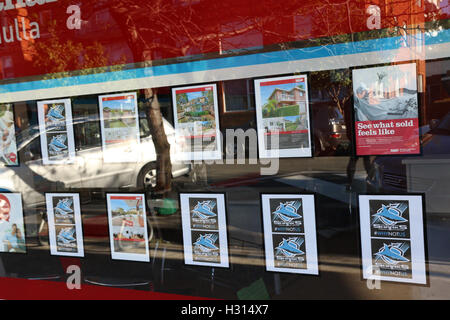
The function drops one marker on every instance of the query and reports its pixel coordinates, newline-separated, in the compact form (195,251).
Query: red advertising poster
(386,110)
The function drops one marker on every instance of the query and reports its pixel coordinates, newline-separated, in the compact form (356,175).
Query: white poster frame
(187,230)
(309,233)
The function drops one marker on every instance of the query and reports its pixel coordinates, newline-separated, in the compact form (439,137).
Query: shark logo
(55,113)
(287,211)
(206,242)
(66,235)
(64,206)
(392,254)
(290,247)
(57,143)
(203,209)
(390,214)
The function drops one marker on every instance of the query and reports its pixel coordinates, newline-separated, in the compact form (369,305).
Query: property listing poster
(56,129)
(128,227)
(290,233)
(392,238)
(119,120)
(386,110)
(282,115)
(196,122)
(204,229)
(64,224)
(12,231)
(8,146)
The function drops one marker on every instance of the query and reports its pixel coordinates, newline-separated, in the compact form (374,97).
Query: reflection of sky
(370,76)
(194,95)
(116,204)
(291,118)
(266,91)
(125,104)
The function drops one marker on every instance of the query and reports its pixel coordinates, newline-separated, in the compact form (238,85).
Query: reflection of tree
(336,84)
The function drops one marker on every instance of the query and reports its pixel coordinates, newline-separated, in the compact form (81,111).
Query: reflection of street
(337,235)
(288,141)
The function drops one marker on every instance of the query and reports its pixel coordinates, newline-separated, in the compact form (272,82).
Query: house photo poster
(196,122)
(290,239)
(282,114)
(56,131)
(64,224)
(8,146)
(119,123)
(392,238)
(12,229)
(386,110)
(127,221)
(204,229)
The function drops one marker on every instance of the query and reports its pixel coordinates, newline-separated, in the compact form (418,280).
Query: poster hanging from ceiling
(56,129)
(204,229)
(119,123)
(64,224)
(8,146)
(196,122)
(386,110)
(282,114)
(12,231)
(392,238)
(127,220)
(290,239)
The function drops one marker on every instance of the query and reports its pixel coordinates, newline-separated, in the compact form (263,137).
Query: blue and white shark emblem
(64,207)
(57,143)
(287,211)
(55,113)
(290,247)
(66,235)
(203,209)
(206,242)
(391,214)
(392,254)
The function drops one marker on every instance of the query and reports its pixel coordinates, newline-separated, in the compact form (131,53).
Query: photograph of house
(195,112)
(283,100)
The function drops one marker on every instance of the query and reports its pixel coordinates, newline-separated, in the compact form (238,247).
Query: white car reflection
(33,179)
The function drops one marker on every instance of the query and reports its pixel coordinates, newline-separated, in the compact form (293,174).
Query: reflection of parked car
(32,178)
(425,173)
(330,131)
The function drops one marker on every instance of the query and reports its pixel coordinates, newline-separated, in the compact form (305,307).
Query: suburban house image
(295,96)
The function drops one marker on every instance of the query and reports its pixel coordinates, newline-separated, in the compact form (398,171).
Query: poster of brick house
(283,117)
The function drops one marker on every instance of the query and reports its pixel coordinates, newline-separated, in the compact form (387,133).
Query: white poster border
(205,154)
(222,229)
(69,131)
(265,153)
(310,233)
(127,256)
(112,156)
(52,226)
(417,238)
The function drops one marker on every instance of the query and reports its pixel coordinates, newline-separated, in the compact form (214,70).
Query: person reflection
(351,166)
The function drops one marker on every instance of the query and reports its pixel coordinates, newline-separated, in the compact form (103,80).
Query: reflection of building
(295,96)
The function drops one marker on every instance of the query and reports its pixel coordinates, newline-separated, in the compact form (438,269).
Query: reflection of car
(32,178)
(330,131)
(426,173)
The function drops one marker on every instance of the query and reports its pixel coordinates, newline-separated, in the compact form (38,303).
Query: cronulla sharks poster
(55,126)
(204,229)
(392,238)
(290,233)
(64,223)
